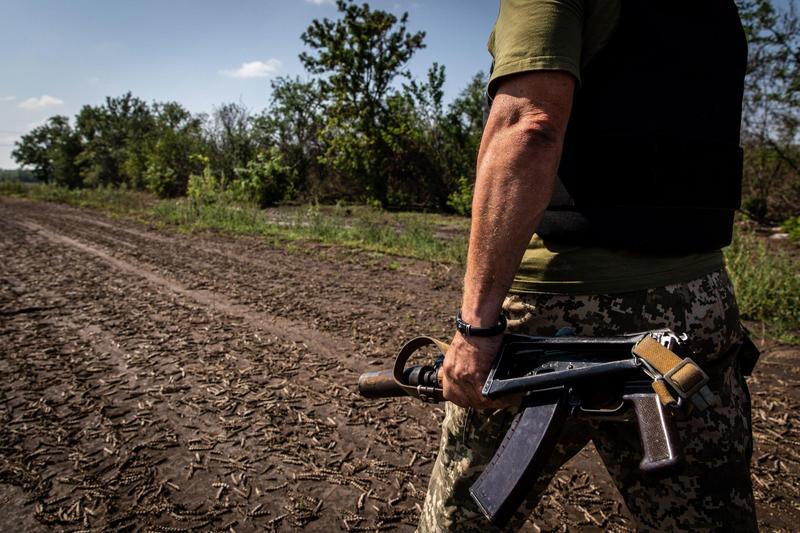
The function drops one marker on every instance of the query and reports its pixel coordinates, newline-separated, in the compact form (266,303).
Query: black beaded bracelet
(468,330)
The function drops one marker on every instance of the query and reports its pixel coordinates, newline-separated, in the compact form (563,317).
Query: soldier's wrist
(487,329)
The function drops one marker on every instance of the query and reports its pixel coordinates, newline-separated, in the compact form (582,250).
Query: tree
(466,117)
(292,124)
(771,121)
(463,130)
(413,130)
(267,180)
(177,136)
(18,174)
(436,150)
(113,138)
(230,139)
(52,151)
(360,55)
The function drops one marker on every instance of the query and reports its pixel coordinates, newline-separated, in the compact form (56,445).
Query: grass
(766,279)
(112,200)
(418,235)
(767,283)
(405,234)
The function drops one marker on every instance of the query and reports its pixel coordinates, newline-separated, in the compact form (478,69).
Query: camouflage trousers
(712,493)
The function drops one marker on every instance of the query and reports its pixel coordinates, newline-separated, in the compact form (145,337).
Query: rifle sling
(426,394)
(683,375)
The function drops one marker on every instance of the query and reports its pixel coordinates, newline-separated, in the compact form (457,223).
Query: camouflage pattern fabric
(712,493)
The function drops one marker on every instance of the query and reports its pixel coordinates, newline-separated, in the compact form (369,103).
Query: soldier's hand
(466,366)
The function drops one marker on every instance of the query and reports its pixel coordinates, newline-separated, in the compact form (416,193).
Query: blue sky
(57,55)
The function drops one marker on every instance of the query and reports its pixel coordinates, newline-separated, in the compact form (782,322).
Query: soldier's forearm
(517,164)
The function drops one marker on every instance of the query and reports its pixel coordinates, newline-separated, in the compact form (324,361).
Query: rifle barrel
(379,384)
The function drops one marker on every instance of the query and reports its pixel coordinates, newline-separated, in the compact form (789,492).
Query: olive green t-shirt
(565,35)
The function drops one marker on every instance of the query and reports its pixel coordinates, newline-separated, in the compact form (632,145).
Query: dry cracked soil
(160,381)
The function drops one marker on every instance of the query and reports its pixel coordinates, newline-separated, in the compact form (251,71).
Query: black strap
(748,353)
(468,330)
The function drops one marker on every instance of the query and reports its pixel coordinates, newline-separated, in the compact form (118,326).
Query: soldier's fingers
(454,394)
(477,399)
(482,402)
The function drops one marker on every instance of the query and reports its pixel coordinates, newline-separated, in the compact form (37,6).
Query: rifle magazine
(522,456)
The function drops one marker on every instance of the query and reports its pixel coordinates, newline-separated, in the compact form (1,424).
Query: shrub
(161,180)
(755,207)
(792,227)
(205,188)
(267,180)
(460,200)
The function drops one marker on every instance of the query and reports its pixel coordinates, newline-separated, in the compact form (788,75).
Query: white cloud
(38,103)
(319,2)
(7,98)
(254,69)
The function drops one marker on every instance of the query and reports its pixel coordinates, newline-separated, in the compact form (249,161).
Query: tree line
(359,127)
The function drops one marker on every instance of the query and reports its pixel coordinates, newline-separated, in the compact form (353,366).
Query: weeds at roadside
(767,284)
(405,234)
(792,227)
(113,200)
(416,235)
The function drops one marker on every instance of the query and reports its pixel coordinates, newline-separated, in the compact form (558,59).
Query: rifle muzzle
(381,383)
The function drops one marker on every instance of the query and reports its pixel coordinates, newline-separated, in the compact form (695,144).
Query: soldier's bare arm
(517,164)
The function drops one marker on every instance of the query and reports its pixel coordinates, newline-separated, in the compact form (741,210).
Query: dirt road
(157,381)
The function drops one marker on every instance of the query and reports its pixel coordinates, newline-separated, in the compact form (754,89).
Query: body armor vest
(651,158)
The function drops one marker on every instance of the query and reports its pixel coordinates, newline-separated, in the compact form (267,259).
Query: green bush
(266,181)
(755,207)
(460,200)
(205,188)
(13,187)
(374,203)
(792,227)
(161,180)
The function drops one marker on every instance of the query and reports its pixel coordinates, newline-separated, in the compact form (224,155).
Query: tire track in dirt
(205,298)
(317,342)
(335,290)
(152,236)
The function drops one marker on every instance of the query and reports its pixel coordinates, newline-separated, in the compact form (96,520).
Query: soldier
(614,133)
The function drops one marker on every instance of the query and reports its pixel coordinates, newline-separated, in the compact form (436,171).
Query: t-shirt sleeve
(536,35)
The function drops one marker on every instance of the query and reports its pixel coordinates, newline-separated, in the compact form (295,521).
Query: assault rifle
(648,376)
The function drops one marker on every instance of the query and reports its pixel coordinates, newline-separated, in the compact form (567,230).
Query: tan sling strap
(426,394)
(684,377)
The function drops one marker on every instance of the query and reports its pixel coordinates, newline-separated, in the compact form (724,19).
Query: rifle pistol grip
(660,443)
